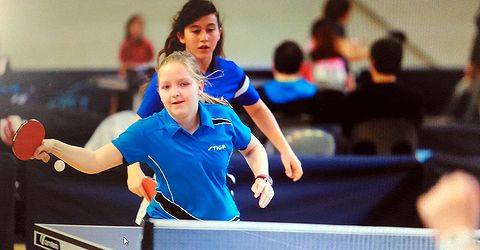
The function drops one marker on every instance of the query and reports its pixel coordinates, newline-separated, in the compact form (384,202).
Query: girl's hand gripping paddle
(149,185)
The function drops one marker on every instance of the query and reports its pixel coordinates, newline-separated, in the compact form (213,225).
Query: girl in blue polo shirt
(188,145)
(197,29)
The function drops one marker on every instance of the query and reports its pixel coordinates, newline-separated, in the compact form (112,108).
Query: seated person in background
(5,70)
(110,128)
(290,94)
(8,127)
(385,98)
(287,86)
(464,106)
(327,67)
(452,207)
(115,124)
(365,78)
(136,51)
(472,70)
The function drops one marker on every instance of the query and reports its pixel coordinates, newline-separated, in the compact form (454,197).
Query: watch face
(269,180)
(266,178)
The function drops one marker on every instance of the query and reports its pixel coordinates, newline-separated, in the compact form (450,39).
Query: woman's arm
(452,208)
(266,122)
(257,159)
(84,160)
(350,50)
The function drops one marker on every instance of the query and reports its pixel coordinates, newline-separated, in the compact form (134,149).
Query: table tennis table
(170,234)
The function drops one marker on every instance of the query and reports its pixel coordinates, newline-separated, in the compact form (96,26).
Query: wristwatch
(460,240)
(266,178)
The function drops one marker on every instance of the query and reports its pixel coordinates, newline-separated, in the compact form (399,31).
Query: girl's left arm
(265,121)
(257,159)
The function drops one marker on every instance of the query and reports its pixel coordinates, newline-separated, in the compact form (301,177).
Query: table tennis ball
(59,166)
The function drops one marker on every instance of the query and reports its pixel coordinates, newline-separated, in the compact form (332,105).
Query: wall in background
(87,34)
(442,29)
(71,34)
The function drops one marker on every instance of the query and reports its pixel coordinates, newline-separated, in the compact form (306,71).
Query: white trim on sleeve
(244,87)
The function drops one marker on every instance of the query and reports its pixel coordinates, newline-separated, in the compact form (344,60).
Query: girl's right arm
(151,103)
(135,176)
(84,160)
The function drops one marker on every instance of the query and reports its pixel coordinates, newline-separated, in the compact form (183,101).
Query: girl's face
(136,28)
(179,91)
(201,37)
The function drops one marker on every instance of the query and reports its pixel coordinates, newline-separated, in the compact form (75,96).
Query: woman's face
(201,37)
(179,91)
(136,28)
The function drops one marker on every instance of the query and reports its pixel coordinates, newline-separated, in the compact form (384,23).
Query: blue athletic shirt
(191,169)
(225,80)
(285,92)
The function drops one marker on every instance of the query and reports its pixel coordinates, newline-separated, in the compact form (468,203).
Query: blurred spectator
(115,124)
(287,85)
(110,128)
(289,94)
(452,207)
(327,67)
(385,98)
(136,61)
(472,69)
(365,78)
(4,66)
(464,106)
(398,35)
(337,12)
(136,51)
(8,127)
(5,70)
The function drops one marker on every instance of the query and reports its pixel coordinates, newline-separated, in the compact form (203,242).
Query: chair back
(384,136)
(307,141)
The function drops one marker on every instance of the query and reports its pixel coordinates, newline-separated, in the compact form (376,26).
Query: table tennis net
(252,235)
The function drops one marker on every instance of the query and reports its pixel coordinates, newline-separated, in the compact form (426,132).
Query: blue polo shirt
(190,168)
(225,80)
(284,92)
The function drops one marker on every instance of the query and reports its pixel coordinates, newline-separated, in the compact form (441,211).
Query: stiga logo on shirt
(46,242)
(217,148)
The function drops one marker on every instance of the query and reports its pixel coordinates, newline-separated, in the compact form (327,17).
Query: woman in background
(327,67)
(136,51)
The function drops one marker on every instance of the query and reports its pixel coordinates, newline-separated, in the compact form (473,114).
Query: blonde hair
(190,63)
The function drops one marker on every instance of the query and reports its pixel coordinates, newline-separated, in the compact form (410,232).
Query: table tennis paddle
(149,185)
(27,139)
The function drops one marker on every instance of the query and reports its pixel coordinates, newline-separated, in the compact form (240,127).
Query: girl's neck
(190,124)
(282,77)
(135,38)
(383,79)
(204,63)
